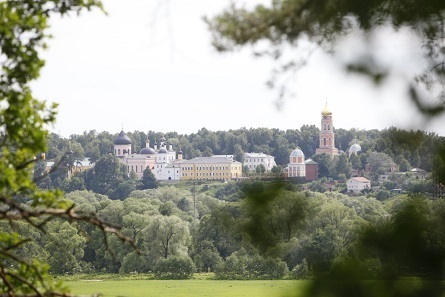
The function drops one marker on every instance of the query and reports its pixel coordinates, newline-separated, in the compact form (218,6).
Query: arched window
(119,151)
(329,126)
(324,141)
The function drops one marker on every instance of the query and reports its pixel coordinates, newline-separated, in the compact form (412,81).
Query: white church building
(161,159)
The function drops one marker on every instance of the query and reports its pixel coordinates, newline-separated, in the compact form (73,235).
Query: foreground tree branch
(23,136)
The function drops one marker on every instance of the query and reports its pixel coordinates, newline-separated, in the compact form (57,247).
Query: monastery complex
(169,165)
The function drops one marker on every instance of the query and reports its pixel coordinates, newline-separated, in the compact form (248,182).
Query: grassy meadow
(184,288)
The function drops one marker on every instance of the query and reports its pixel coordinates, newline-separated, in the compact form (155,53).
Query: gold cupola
(326,111)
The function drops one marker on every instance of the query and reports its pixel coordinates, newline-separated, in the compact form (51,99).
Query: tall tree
(343,166)
(109,177)
(379,162)
(149,180)
(325,164)
(167,235)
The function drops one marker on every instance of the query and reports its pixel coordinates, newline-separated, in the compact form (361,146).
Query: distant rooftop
(210,160)
(257,155)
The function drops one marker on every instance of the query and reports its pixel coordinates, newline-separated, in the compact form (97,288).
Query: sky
(149,65)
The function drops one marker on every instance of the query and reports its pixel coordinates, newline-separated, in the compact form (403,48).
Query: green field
(185,288)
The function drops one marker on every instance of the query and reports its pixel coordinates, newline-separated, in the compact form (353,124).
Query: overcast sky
(149,65)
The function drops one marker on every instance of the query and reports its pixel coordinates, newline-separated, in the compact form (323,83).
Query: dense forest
(249,230)
(207,227)
(242,230)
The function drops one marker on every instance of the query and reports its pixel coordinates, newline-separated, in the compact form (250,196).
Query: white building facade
(252,160)
(358,184)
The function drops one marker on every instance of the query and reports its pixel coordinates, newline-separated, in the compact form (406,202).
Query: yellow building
(211,168)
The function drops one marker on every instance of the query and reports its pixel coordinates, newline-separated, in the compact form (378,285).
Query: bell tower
(327,136)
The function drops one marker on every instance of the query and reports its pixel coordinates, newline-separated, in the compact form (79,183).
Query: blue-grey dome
(122,138)
(297,153)
(147,151)
(162,151)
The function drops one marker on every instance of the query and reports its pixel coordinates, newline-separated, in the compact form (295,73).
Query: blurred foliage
(279,27)
(403,256)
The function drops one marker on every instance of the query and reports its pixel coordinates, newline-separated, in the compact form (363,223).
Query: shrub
(301,271)
(174,267)
(207,260)
(241,265)
(134,262)
(382,195)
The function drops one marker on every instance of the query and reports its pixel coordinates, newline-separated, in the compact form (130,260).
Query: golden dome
(326,110)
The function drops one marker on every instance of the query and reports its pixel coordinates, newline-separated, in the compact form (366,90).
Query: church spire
(327,136)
